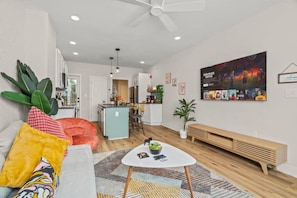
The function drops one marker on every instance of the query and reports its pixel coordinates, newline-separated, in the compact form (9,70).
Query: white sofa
(77,177)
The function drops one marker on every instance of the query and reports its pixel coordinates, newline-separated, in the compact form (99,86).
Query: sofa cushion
(42,183)
(4,191)
(39,120)
(7,136)
(28,147)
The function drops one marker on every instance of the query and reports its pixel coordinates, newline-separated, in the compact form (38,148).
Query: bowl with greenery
(155,148)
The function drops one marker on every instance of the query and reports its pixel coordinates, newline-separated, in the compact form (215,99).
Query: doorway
(121,88)
(73,92)
(98,95)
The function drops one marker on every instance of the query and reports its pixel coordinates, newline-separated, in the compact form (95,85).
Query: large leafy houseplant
(32,92)
(184,111)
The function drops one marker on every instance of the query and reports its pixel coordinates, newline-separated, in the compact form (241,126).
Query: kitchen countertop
(114,106)
(67,107)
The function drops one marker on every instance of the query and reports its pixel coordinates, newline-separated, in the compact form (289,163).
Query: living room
(273,30)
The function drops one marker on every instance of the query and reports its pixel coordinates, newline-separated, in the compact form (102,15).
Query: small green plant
(155,146)
(32,92)
(160,92)
(184,110)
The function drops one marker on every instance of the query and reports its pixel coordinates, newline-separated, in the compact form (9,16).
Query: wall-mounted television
(239,79)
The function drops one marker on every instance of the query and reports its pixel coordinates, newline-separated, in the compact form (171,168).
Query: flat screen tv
(239,79)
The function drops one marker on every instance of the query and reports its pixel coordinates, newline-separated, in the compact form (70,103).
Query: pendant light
(111,74)
(117,68)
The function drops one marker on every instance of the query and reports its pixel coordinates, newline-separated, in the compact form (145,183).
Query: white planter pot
(183,133)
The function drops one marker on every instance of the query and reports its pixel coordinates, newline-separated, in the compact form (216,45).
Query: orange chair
(80,131)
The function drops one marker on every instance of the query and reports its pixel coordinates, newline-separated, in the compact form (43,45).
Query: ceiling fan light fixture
(156,10)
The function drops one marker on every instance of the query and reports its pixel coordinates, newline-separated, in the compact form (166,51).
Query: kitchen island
(113,120)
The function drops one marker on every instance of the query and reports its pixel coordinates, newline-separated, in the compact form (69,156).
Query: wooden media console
(263,151)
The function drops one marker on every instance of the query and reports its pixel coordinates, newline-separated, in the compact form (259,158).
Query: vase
(183,134)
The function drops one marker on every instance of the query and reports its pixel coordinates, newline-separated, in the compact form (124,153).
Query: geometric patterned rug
(158,183)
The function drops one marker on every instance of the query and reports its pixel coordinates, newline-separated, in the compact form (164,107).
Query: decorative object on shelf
(148,140)
(184,111)
(111,74)
(118,100)
(32,92)
(117,68)
(168,78)
(290,77)
(174,80)
(181,88)
(155,148)
(160,93)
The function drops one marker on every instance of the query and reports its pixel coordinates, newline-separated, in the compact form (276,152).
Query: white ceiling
(106,25)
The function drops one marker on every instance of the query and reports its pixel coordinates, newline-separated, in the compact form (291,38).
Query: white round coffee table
(175,158)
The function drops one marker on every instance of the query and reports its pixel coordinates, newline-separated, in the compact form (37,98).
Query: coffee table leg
(128,180)
(189,181)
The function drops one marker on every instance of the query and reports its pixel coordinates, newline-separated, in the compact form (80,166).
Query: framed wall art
(174,81)
(290,77)
(287,77)
(168,78)
(181,88)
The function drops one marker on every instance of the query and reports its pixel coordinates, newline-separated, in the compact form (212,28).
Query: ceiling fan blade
(185,6)
(137,2)
(167,22)
(140,19)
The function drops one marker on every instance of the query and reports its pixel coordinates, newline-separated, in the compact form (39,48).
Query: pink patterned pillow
(39,120)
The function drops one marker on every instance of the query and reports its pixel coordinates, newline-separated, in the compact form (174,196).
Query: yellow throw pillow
(28,147)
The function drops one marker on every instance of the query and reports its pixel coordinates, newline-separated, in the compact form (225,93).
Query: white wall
(40,44)
(86,70)
(12,19)
(273,31)
(28,36)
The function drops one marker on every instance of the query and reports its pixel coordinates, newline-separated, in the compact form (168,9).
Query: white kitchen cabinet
(61,70)
(65,112)
(142,81)
(152,114)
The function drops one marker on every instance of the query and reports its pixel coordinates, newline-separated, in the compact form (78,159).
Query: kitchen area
(113,117)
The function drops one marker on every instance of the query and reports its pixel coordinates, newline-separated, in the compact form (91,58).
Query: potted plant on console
(184,111)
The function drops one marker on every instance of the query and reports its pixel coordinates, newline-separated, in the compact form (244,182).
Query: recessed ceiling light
(177,38)
(75,18)
(72,42)
(75,53)
(141,62)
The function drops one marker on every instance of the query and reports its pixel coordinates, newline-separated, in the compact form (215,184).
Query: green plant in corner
(160,92)
(32,92)
(184,111)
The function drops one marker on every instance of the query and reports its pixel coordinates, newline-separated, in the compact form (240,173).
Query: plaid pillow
(39,120)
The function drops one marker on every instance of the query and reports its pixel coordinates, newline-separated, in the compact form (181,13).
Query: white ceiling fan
(159,8)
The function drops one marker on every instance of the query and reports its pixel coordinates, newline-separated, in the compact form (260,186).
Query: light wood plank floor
(243,172)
